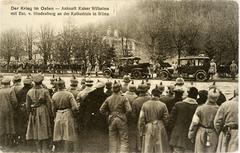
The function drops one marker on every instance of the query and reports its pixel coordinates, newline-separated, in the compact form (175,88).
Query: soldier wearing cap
(116,107)
(226,125)
(126,80)
(202,130)
(63,103)
(38,103)
(136,107)
(22,115)
(180,84)
(7,106)
(108,86)
(94,123)
(74,89)
(89,88)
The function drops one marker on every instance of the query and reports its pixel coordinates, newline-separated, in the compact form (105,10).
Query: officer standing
(116,107)
(226,125)
(64,129)
(38,103)
(136,108)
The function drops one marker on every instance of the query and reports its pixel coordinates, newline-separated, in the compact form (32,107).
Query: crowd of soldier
(134,118)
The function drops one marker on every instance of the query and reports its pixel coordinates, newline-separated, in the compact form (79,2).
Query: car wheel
(201,76)
(163,75)
(136,74)
(107,73)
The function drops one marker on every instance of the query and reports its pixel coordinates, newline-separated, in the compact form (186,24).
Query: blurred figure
(116,107)
(201,131)
(53,85)
(108,86)
(226,125)
(168,99)
(203,96)
(96,69)
(213,69)
(7,105)
(136,108)
(64,128)
(83,84)
(180,120)
(233,69)
(126,80)
(38,103)
(221,99)
(74,89)
(152,122)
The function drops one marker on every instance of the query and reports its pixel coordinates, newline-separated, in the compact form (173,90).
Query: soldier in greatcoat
(116,107)
(8,104)
(201,131)
(226,125)
(63,103)
(136,107)
(152,123)
(38,103)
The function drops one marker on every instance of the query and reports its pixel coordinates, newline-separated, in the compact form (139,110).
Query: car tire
(136,74)
(107,73)
(163,75)
(201,76)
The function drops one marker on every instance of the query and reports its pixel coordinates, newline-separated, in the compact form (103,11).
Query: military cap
(74,80)
(99,84)
(27,80)
(108,84)
(17,77)
(132,87)
(161,87)
(213,86)
(179,81)
(60,81)
(156,92)
(142,87)
(6,80)
(213,94)
(89,81)
(126,79)
(38,78)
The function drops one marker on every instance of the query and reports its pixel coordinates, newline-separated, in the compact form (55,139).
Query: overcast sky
(8,21)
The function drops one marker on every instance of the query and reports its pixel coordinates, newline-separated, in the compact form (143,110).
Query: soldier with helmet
(63,103)
(116,107)
(74,89)
(136,108)
(38,103)
(7,106)
(126,80)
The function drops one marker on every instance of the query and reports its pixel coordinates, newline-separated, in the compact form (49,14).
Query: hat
(37,78)
(132,87)
(213,95)
(74,80)
(89,82)
(108,84)
(126,79)
(156,92)
(161,87)
(99,84)
(116,86)
(6,80)
(17,77)
(179,81)
(60,81)
(27,80)
(142,87)
(213,86)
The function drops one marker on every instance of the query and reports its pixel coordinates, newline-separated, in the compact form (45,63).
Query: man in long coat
(116,107)
(180,120)
(64,129)
(38,103)
(7,105)
(226,124)
(152,122)
(202,130)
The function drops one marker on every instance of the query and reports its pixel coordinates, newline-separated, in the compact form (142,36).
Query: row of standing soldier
(137,120)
